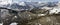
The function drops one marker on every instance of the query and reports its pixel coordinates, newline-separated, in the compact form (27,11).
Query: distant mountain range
(28,5)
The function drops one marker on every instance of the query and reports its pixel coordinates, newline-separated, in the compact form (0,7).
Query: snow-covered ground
(1,23)
(13,24)
(55,10)
(10,24)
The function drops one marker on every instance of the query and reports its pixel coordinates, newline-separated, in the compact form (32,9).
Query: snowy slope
(12,4)
(10,24)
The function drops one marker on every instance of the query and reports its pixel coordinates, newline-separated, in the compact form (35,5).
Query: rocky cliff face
(41,15)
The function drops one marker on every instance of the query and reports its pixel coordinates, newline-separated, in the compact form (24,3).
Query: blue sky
(36,0)
(33,0)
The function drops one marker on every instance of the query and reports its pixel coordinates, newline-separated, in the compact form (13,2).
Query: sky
(36,0)
(31,0)
(39,0)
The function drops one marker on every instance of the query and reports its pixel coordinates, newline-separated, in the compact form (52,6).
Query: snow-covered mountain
(25,5)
